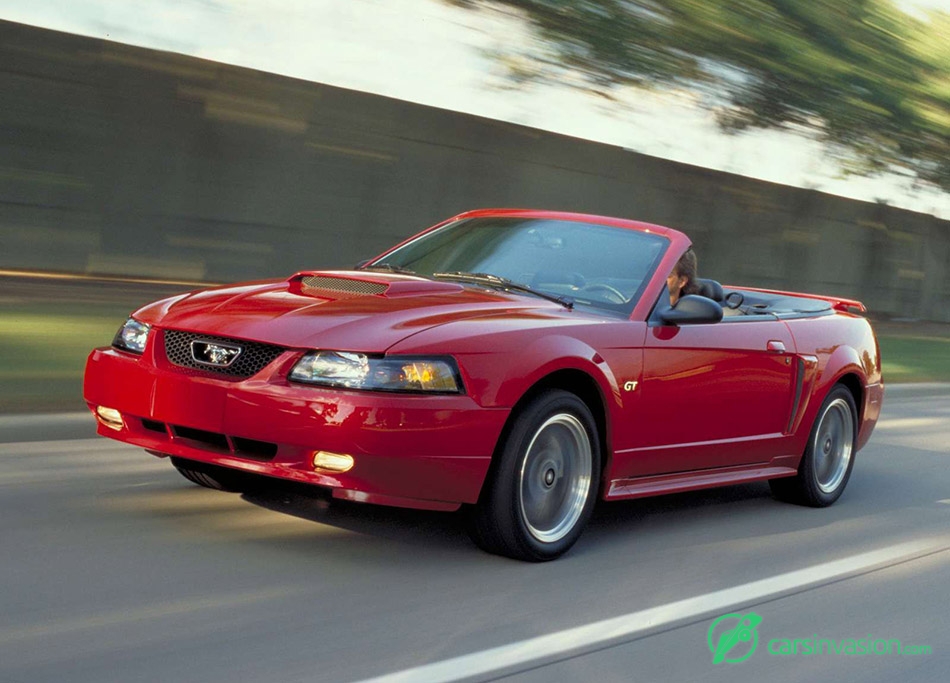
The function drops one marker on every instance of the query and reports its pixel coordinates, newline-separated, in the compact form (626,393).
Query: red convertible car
(522,364)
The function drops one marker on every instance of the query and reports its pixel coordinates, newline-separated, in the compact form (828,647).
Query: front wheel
(829,457)
(543,487)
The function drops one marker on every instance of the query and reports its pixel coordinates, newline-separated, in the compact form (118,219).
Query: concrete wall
(121,160)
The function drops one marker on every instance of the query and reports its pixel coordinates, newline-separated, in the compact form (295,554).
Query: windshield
(597,266)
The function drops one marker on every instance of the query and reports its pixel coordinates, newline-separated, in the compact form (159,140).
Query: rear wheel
(217,478)
(544,485)
(829,457)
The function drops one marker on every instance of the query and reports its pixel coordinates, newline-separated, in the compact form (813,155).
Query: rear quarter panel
(842,344)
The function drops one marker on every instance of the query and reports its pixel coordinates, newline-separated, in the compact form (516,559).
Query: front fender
(543,359)
(545,356)
(500,377)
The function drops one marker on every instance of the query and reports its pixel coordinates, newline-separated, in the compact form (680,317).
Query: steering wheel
(734,299)
(616,296)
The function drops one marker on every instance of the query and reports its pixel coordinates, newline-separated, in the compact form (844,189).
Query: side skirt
(655,485)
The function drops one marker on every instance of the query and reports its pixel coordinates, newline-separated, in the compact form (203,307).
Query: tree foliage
(868,79)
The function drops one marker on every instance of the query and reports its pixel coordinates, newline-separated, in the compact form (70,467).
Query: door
(713,395)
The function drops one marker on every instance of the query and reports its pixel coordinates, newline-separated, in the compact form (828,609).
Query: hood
(347,310)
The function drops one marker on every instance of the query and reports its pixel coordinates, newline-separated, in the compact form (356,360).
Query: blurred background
(149,148)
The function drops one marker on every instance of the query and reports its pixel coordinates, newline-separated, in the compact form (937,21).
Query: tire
(829,456)
(544,482)
(217,478)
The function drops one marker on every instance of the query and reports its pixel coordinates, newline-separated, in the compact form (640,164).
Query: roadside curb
(916,389)
(47,426)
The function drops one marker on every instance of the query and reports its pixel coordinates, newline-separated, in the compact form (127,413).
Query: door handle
(775,346)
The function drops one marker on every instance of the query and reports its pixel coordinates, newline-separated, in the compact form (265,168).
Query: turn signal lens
(334,462)
(110,417)
(424,375)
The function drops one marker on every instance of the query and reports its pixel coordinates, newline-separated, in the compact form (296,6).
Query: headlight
(359,371)
(132,336)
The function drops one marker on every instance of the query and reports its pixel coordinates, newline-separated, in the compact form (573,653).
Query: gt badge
(629,386)
(214,353)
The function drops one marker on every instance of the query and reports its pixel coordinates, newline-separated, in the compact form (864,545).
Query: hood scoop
(345,284)
(342,284)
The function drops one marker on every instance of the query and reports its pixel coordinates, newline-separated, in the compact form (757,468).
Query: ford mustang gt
(519,364)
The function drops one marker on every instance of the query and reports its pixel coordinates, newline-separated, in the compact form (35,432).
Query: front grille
(253,358)
(343,284)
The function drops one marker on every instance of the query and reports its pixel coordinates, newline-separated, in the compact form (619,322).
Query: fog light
(110,417)
(335,462)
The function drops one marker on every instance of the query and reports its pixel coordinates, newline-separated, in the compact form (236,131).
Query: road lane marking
(553,647)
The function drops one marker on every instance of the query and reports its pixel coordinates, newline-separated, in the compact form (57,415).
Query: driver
(684,278)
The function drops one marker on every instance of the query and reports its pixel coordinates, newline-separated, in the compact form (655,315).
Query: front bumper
(428,452)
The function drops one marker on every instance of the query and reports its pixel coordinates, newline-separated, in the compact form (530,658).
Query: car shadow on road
(405,526)
(720,514)
(448,530)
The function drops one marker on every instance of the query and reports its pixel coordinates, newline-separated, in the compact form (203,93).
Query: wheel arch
(852,382)
(844,367)
(582,385)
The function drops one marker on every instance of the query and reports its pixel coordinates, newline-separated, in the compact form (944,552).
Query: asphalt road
(117,569)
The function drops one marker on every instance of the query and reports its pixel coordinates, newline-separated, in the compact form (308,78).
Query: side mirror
(692,310)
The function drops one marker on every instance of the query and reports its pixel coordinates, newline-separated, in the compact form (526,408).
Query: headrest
(710,289)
